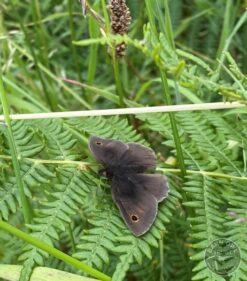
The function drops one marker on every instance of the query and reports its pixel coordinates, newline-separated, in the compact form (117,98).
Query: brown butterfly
(135,193)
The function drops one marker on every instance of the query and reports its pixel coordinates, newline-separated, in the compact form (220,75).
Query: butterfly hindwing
(153,183)
(137,205)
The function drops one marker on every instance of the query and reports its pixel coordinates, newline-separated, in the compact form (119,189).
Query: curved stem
(54,252)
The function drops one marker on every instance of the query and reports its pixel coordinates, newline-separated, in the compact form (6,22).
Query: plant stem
(46,71)
(119,86)
(50,98)
(52,251)
(76,58)
(84,165)
(14,155)
(167,95)
(228,41)
(165,23)
(204,173)
(151,19)
(168,26)
(226,27)
(133,110)
(173,123)
(94,32)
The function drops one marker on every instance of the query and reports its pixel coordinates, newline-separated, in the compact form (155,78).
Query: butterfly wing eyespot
(134,218)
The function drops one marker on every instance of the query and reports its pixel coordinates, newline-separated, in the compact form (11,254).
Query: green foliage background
(195,52)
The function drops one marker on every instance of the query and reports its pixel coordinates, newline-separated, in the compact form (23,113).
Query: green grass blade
(52,251)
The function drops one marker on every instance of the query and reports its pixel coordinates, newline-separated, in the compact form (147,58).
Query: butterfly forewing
(138,158)
(107,152)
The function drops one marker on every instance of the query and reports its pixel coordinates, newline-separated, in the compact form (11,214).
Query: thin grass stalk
(228,41)
(244,39)
(118,81)
(49,97)
(43,48)
(177,142)
(160,16)
(40,33)
(151,18)
(165,23)
(30,83)
(24,201)
(4,43)
(24,94)
(93,55)
(168,26)
(50,74)
(167,95)
(226,27)
(72,38)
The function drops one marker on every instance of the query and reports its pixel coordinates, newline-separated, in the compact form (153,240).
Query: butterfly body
(135,192)
(119,171)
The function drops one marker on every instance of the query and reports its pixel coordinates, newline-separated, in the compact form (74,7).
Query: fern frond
(172,261)
(237,222)
(62,203)
(212,144)
(134,249)
(67,195)
(109,234)
(207,198)
(58,140)
(24,136)
(33,175)
(111,127)
(97,242)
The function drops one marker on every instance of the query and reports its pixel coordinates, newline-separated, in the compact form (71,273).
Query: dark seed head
(120,21)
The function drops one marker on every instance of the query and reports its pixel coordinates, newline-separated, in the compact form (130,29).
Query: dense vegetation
(178,52)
